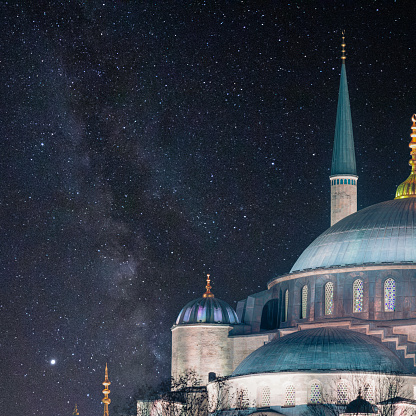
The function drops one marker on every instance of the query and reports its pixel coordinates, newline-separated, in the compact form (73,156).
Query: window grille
(304,302)
(265,396)
(290,395)
(389,295)
(329,298)
(342,393)
(358,290)
(315,393)
(369,393)
(286,305)
(242,399)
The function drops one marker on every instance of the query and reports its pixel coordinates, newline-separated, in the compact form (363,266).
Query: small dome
(207,310)
(384,232)
(321,349)
(360,406)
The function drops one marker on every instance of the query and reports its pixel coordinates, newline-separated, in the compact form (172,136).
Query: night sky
(147,143)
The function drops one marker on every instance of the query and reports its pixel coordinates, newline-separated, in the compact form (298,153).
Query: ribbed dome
(384,232)
(321,349)
(208,310)
(407,189)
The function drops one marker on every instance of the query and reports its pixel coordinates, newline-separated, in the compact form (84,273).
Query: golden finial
(75,412)
(407,189)
(208,293)
(343,46)
(106,401)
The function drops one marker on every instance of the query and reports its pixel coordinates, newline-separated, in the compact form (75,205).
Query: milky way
(145,144)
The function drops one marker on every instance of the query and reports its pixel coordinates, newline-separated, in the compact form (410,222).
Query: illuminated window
(315,396)
(304,302)
(329,298)
(342,393)
(265,396)
(290,395)
(357,296)
(286,305)
(389,295)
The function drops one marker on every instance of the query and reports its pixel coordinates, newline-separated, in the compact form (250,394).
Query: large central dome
(384,232)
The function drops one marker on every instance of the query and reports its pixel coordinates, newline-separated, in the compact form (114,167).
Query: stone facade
(343,197)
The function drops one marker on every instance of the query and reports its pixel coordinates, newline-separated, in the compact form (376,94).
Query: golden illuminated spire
(407,189)
(106,401)
(75,412)
(343,47)
(208,293)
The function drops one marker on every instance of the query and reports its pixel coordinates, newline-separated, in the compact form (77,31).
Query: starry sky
(147,143)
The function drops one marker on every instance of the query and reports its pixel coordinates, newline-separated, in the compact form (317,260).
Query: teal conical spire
(343,156)
(343,171)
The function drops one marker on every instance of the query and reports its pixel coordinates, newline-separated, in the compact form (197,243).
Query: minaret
(343,171)
(106,401)
(407,189)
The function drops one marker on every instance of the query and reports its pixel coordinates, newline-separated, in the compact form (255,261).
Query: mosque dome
(208,310)
(360,406)
(384,232)
(321,349)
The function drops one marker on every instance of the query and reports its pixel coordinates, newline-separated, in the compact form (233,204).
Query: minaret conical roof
(343,156)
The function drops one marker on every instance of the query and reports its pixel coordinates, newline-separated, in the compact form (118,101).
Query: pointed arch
(389,295)
(304,302)
(286,309)
(329,298)
(290,395)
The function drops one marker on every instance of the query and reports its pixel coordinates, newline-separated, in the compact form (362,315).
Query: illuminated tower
(200,341)
(75,412)
(343,171)
(106,401)
(407,189)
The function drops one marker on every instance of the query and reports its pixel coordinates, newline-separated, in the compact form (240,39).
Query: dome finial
(208,293)
(407,189)
(343,57)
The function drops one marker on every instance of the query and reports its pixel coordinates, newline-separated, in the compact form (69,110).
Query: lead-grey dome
(208,310)
(321,349)
(384,232)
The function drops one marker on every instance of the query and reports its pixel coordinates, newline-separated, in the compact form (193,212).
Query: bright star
(53,361)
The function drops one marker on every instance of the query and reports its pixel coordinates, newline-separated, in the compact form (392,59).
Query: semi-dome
(384,232)
(207,309)
(321,349)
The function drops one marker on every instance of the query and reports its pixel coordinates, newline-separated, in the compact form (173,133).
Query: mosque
(340,324)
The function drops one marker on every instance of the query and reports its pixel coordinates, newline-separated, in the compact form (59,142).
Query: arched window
(342,393)
(389,295)
(369,393)
(265,397)
(329,298)
(357,295)
(242,399)
(304,309)
(286,305)
(290,395)
(315,395)
(270,315)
